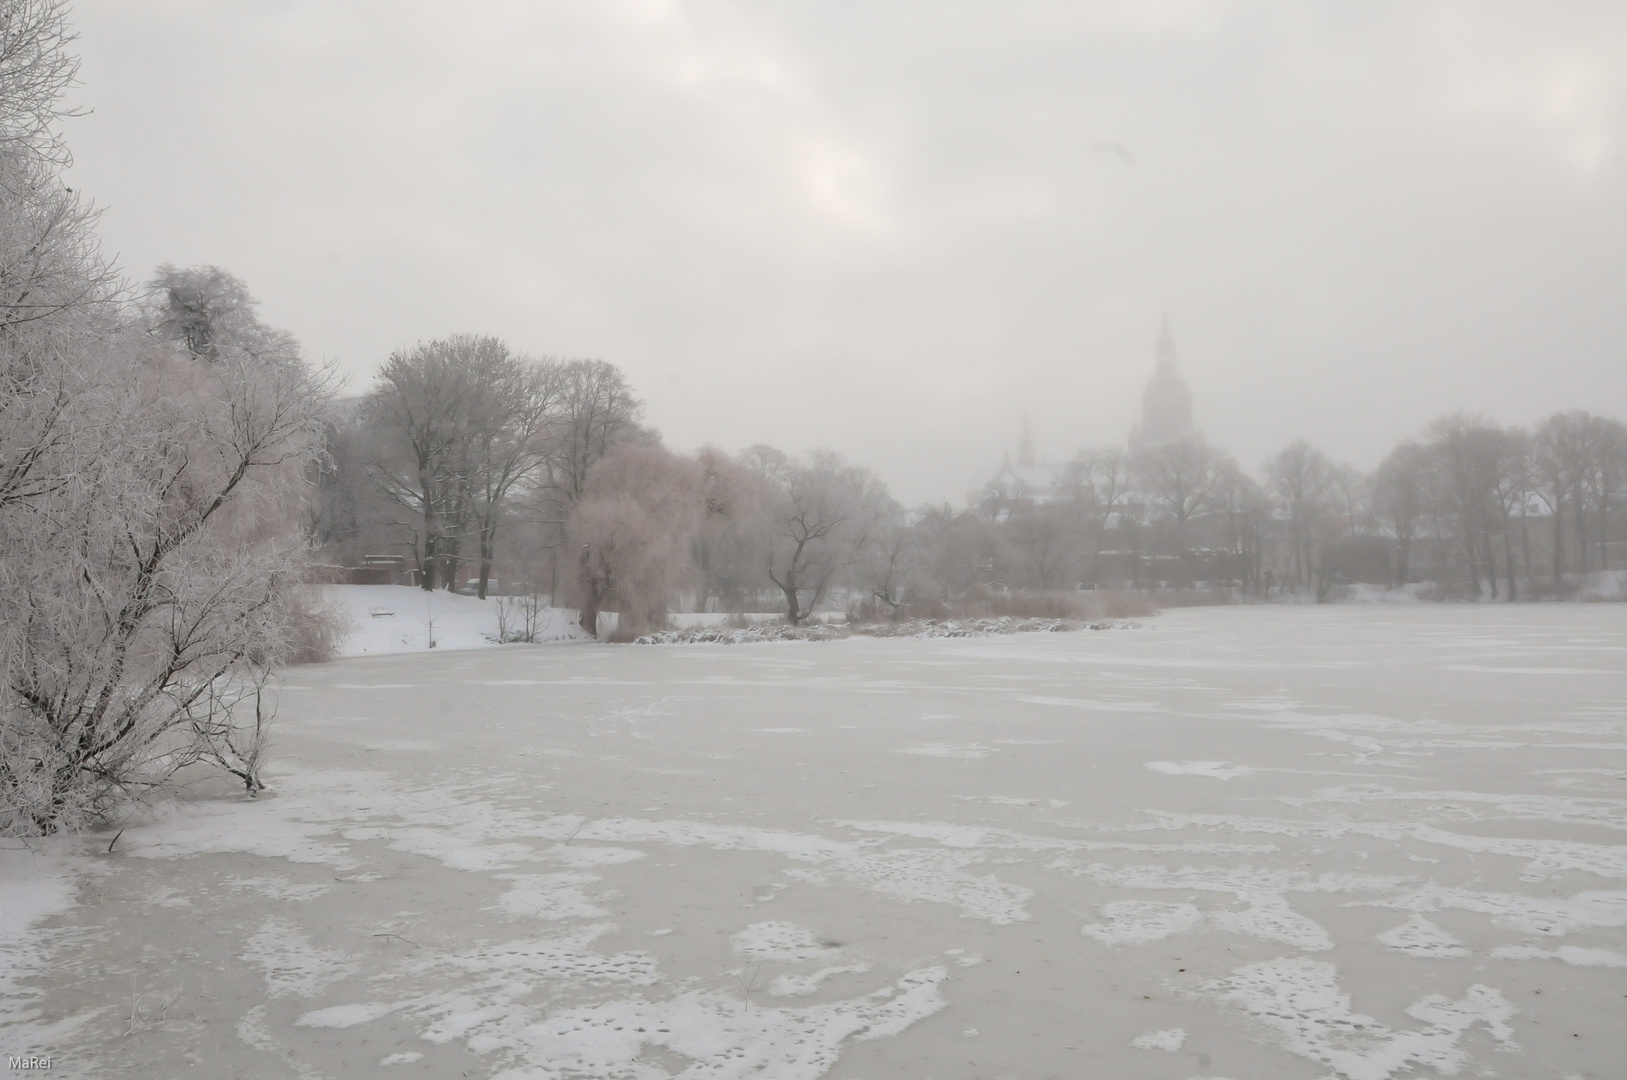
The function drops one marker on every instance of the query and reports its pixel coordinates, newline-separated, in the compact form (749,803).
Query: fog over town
(678,538)
(896,230)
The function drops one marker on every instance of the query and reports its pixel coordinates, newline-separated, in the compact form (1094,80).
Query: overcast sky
(895,228)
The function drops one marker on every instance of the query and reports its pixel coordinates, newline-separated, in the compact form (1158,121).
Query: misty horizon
(897,233)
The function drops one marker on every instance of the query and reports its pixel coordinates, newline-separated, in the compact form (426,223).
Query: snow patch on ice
(797,985)
(932,876)
(569,958)
(947,750)
(720,1034)
(1300,999)
(404,1058)
(1219,770)
(1125,705)
(344,1016)
(1554,916)
(722,1037)
(954,835)
(33,888)
(905,875)
(277,888)
(1420,937)
(1136,922)
(1570,954)
(1268,915)
(1566,809)
(1168,1040)
(782,943)
(290,963)
(549,896)
(580,857)
(1548,857)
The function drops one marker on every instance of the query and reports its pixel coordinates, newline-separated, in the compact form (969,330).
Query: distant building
(1025,480)
(1166,417)
(1166,403)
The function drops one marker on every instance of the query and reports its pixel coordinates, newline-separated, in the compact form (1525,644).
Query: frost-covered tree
(818,518)
(596,413)
(1099,480)
(632,528)
(149,559)
(1400,499)
(461,422)
(726,549)
(1297,477)
(148,597)
(1178,476)
(1470,453)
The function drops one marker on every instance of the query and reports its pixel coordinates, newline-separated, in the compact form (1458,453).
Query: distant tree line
(1472,508)
(469,456)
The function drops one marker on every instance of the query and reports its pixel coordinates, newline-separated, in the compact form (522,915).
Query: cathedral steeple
(1166,349)
(1025,448)
(1166,404)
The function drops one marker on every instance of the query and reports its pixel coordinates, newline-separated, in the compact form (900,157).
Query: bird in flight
(1117,149)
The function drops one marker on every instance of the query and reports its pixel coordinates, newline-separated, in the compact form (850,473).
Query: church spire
(1025,448)
(1166,348)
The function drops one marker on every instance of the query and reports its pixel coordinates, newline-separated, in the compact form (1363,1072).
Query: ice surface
(506,862)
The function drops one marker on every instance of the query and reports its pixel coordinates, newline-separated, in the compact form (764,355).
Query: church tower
(1166,404)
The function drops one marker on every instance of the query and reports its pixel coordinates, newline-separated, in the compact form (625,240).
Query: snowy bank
(385,619)
(723,634)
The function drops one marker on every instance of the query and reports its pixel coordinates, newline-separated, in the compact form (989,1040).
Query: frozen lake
(1363,842)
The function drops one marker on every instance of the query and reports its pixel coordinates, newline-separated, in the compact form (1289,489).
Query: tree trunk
(793,613)
(488,542)
(1604,533)
(1470,543)
(1508,557)
(1559,537)
(1581,534)
(1525,542)
(427,560)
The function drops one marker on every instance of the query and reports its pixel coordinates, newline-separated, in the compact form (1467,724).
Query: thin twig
(114,841)
(753,979)
(409,941)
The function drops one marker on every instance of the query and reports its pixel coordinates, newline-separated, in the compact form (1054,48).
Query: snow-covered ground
(1604,585)
(1364,841)
(385,619)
